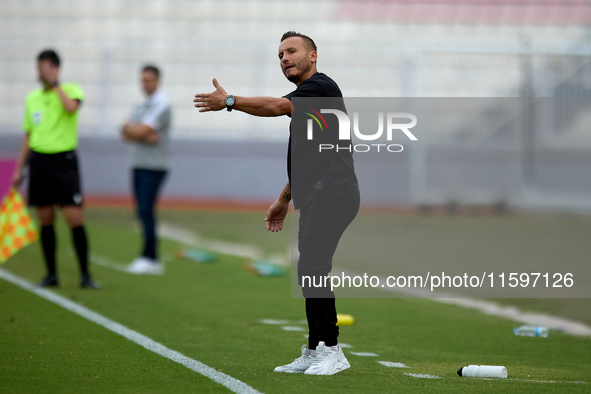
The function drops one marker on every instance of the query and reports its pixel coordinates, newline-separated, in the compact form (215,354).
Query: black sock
(48,247)
(311,314)
(81,246)
(322,322)
(328,321)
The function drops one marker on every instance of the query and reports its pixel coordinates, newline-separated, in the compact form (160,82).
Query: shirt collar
(153,96)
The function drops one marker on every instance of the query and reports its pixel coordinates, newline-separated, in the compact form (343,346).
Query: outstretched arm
(258,106)
(278,210)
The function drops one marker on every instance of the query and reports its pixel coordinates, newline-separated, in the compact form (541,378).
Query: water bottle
(531,331)
(483,371)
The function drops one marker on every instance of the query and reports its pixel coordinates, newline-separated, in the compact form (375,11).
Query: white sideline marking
(393,365)
(107,262)
(283,321)
(104,261)
(491,308)
(274,321)
(364,354)
(292,328)
(536,380)
(544,381)
(229,382)
(188,237)
(345,345)
(531,318)
(422,375)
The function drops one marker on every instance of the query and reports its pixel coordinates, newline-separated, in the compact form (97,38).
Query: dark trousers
(146,186)
(322,223)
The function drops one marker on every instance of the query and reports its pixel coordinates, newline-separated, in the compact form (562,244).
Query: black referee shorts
(54,179)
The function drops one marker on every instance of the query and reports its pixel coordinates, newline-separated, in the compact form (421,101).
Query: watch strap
(232,99)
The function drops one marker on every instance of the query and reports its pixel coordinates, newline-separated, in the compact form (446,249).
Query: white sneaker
(328,361)
(144,265)
(300,364)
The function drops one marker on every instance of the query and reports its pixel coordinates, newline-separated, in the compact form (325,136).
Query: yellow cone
(345,320)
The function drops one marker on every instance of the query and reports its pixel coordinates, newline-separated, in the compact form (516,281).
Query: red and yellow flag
(17,229)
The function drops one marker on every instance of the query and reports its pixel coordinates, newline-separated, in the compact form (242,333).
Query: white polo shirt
(156,113)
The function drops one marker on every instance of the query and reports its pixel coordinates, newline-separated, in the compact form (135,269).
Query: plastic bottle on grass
(531,331)
(483,371)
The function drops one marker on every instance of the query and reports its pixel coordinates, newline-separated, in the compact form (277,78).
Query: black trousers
(322,223)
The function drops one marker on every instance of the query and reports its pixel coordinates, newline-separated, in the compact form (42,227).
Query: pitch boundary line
(488,308)
(227,381)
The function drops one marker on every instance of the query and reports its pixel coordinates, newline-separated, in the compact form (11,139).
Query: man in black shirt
(324,188)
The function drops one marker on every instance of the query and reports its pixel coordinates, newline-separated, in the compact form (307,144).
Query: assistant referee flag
(17,229)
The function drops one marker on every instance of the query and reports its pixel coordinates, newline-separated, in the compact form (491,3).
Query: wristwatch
(230,101)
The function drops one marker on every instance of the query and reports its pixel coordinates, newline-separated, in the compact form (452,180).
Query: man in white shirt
(148,136)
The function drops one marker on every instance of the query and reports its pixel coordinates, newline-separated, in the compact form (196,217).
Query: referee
(326,193)
(50,124)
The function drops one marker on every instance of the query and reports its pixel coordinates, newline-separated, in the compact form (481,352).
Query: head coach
(325,209)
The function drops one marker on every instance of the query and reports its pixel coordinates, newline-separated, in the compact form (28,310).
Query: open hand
(214,101)
(276,215)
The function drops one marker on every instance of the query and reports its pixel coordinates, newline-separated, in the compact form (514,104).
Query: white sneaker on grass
(328,361)
(144,265)
(300,364)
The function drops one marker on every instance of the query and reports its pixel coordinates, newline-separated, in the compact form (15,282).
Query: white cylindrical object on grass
(483,371)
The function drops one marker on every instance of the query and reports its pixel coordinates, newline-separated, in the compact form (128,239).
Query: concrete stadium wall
(255,172)
(200,169)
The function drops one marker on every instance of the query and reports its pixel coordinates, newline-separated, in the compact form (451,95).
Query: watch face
(230,100)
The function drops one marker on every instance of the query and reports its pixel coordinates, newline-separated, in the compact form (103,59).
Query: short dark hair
(49,54)
(153,69)
(307,40)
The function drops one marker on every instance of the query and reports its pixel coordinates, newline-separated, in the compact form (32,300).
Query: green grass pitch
(213,312)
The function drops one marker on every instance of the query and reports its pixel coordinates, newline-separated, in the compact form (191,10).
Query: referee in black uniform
(326,193)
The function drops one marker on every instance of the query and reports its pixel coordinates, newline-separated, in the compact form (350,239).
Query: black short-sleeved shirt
(332,171)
